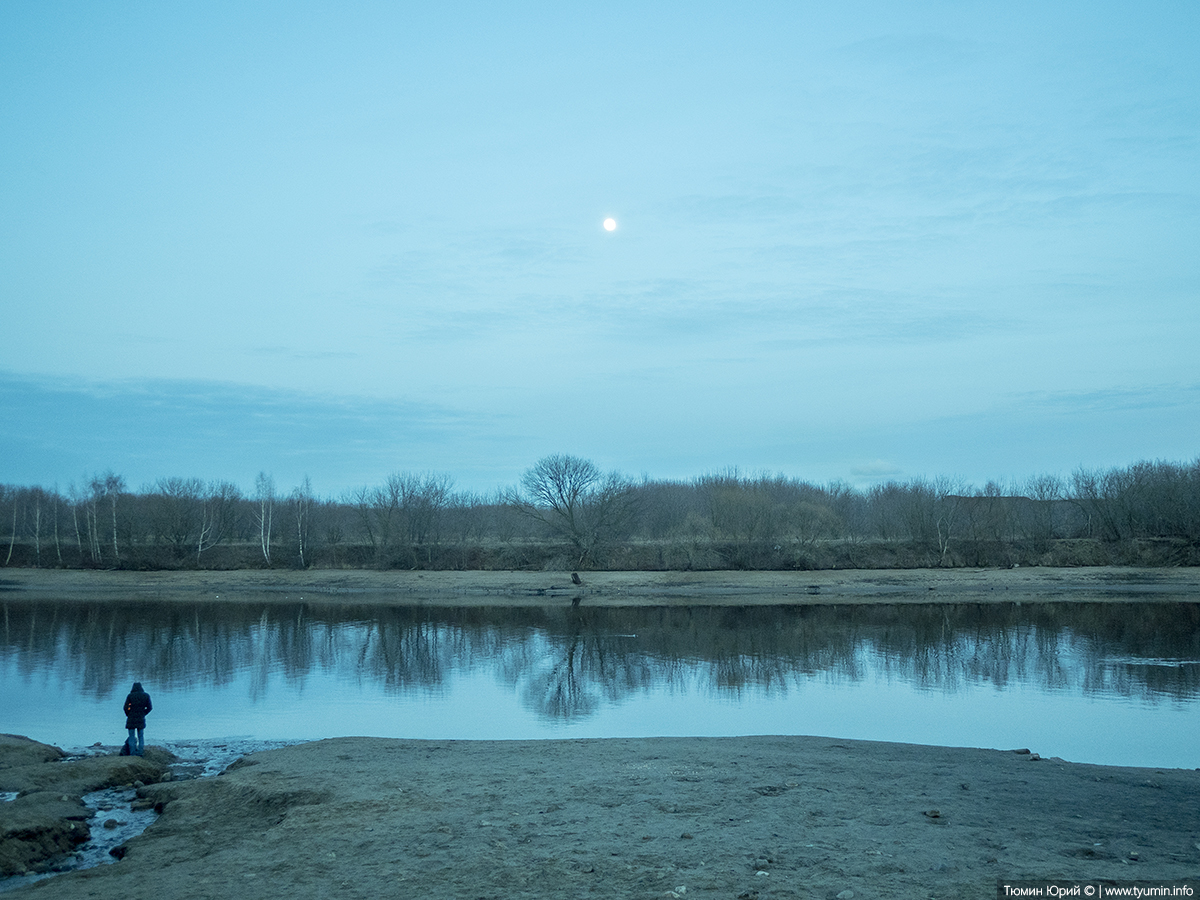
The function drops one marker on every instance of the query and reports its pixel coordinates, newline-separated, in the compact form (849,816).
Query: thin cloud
(877,470)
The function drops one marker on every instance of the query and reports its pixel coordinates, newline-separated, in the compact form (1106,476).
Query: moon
(610,224)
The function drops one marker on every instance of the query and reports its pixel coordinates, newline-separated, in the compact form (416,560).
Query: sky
(859,241)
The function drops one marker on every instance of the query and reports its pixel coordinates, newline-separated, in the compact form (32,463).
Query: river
(1110,683)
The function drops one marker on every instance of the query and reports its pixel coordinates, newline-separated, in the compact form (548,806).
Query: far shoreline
(1107,584)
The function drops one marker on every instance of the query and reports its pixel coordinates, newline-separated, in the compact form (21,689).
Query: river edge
(488,588)
(749,817)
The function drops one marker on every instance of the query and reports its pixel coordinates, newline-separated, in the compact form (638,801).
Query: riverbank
(477,588)
(43,817)
(752,817)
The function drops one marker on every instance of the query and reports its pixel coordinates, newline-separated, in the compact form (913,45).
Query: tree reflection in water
(566,662)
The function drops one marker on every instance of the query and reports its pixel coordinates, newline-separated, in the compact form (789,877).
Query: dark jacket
(137,704)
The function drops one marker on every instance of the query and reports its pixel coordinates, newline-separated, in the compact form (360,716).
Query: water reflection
(566,663)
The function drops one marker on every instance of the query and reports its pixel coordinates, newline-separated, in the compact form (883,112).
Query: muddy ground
(753,817)
(476,588)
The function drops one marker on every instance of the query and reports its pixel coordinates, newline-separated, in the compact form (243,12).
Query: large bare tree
(576,501)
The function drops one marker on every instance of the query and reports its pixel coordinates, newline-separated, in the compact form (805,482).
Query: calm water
(1107,683)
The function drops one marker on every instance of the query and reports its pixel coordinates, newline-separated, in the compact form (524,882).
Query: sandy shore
(476,588)
(756,817)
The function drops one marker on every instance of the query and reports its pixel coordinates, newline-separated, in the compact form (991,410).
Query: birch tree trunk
(37,528)
(114,485)
(264,487)
(57,543)
(12,538)
(75,501)
(302,509)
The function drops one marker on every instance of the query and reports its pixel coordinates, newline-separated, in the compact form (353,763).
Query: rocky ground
(46,819)
(753,817)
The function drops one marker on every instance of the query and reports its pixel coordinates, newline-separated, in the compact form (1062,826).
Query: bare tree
(76,498)
(850,508)
(218,510)
(363,501)
(302,503)
(12,535)
(927,512)
(888,507)
(424,506)
(575,501)
(38,498)
(408,510)
(103,493)
(379,513)
(742,513)
(174,512)
(947,496)
(110,486)
(57,501)
(1098,495)
(264,495)
(331,514)
(1046,492)
(91,519)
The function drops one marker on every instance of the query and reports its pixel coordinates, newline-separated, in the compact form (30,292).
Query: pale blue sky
(856,240)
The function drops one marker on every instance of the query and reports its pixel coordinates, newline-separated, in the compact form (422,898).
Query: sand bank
(476,588)
(754,817)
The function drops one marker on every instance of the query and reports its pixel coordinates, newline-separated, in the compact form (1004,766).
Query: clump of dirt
(17,750)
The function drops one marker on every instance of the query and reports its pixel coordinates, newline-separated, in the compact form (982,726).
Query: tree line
(566,513)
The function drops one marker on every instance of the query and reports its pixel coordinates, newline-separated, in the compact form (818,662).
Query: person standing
(137,704)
